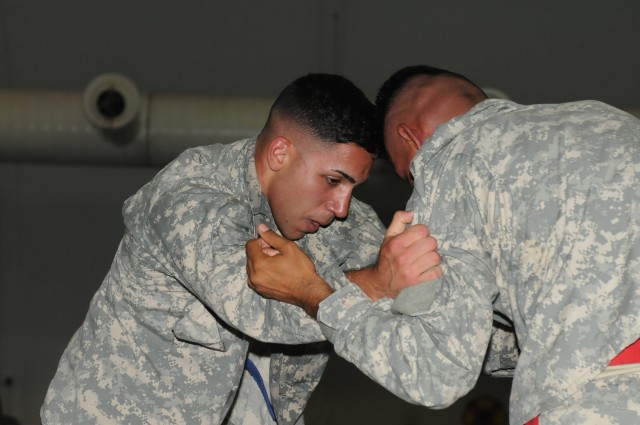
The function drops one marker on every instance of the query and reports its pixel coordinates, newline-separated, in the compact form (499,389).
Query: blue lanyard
(255,373)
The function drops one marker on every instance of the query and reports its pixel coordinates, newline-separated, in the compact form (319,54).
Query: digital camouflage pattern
(166,335)
(536,211)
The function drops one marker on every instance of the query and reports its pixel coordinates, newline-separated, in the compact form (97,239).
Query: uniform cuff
(346,305)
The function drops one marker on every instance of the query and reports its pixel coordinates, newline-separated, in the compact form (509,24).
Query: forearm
(318,289)
(210,262)
(314,293)
(365,279)
(402,352)
(226,293)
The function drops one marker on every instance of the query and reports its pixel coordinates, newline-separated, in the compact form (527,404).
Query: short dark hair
(331,108)
(400,78)
(394,84)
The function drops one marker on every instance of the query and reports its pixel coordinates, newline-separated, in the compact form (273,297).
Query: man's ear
(277,152)
(409,136)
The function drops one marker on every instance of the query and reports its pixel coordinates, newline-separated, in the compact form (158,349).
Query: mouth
(313,225)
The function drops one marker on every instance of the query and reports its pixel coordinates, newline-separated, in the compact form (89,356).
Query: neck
(261,165)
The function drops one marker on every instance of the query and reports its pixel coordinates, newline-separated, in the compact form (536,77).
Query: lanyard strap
(255,373)
(631,354)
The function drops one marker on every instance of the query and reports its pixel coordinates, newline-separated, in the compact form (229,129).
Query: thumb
(399,223)
(272,238)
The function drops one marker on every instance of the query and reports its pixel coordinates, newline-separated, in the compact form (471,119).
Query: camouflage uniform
(536,209)
(166,335)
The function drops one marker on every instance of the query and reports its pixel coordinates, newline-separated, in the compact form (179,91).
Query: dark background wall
(535,51)
(60,222)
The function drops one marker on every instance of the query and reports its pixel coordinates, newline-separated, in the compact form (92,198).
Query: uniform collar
(257,199)
(452,128)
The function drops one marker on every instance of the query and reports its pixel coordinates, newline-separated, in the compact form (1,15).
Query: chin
(292,235)
(296,236)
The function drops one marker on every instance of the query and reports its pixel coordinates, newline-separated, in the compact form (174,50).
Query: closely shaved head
(413,103)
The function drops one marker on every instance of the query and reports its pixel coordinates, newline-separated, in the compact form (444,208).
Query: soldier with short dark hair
(170,331)
(536,209)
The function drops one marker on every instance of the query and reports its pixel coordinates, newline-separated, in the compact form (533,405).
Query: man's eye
(333,181)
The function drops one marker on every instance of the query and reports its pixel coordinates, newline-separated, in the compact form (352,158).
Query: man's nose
(339,205)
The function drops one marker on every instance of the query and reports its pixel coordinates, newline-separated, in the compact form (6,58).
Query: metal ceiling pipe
(178,122)
(112,123)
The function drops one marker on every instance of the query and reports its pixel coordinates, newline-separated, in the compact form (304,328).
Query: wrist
(366,279)
(315,292)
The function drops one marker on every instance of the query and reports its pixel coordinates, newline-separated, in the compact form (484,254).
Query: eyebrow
(346,176)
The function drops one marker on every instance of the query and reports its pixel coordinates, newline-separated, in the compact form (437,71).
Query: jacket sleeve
(199,236)
(428,347)
(346,244)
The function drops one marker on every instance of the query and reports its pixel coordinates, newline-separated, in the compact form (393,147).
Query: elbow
(441,390)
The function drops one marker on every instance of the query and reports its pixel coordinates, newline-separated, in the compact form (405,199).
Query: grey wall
(60,223)
(536,51)
(60,226)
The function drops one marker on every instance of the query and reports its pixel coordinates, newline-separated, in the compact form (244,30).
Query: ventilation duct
(112,123)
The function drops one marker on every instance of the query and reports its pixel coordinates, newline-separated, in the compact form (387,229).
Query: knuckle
(435,257)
